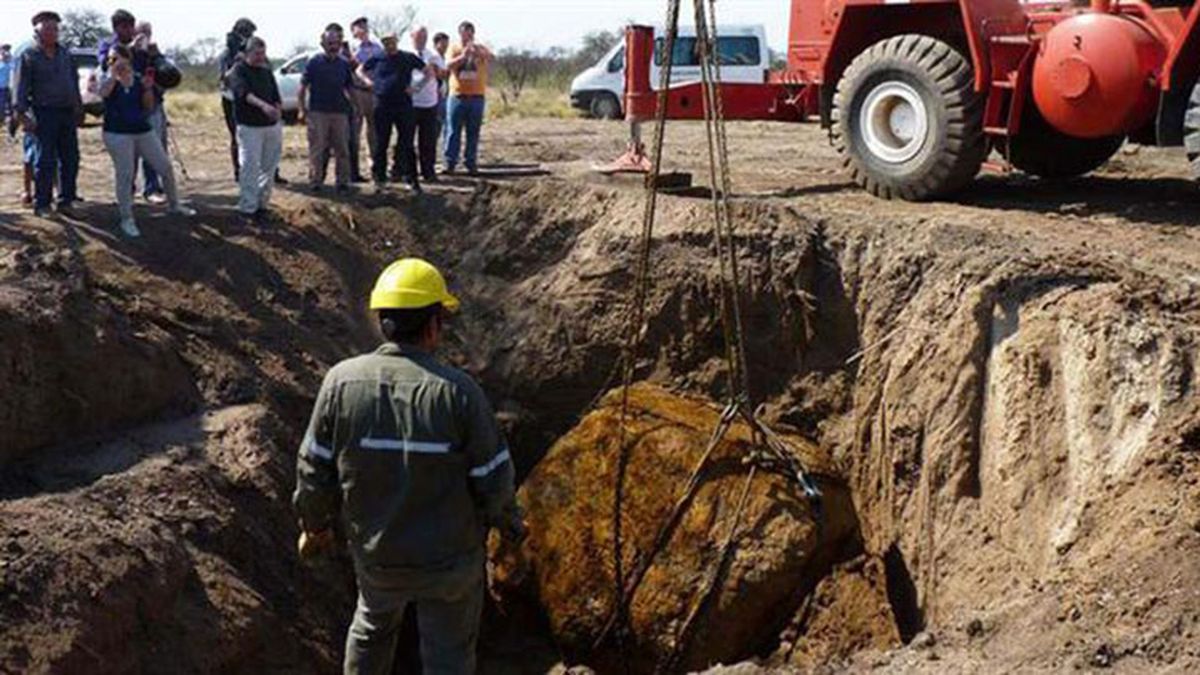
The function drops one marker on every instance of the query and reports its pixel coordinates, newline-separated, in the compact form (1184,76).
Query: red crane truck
(918,92)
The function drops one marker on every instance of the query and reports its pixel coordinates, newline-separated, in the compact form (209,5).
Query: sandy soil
(1006,380)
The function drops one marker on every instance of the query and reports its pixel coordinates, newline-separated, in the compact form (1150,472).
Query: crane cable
(771,453)
(619,619)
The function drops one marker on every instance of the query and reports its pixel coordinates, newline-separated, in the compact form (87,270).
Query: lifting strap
(770,452)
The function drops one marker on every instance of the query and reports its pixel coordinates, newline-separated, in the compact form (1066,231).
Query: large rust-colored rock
(780,552)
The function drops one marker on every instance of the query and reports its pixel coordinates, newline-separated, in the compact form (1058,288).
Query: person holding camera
(152,187)
(147,58)
(128,134)
(258,111)
(468,65)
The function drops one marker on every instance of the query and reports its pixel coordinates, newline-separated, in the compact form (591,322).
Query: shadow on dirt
(1156,201)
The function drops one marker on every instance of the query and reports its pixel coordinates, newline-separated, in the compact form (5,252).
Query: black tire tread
(1191,131)
(965,147)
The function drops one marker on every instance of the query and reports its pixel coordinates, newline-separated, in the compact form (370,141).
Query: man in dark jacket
(391,76)
(405,449)
(49,106)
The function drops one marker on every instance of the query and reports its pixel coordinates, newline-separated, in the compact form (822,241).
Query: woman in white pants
(258,109)
(128,134)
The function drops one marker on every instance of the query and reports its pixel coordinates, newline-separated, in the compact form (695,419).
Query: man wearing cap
(50,108)
(391,76)
(403,452)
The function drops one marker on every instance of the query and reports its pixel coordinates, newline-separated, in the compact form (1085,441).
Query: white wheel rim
(894,122)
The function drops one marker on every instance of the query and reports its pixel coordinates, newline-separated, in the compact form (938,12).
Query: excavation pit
(1014,430)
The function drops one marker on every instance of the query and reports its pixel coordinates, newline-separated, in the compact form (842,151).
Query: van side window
(739,51)
(685,52)
(617,64)
(732,51)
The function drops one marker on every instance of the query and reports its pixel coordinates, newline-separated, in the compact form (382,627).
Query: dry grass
(534,103)
(189,106)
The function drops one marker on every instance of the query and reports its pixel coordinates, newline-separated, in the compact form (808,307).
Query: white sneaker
(130,228)
(185,211)
(157,198)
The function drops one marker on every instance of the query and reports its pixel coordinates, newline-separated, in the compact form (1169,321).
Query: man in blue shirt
(364,99)
(49,105)
(6,66)
(391,76)
(324,99)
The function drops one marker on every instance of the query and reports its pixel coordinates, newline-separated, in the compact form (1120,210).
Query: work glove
(513,527)
(315,544)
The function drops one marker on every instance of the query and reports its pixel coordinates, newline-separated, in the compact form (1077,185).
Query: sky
(535,24)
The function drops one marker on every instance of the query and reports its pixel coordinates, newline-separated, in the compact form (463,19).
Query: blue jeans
(463,111)
(57,151)
(152,184)
(5,102)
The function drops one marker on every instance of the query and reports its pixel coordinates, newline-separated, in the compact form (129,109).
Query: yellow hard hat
(411,283)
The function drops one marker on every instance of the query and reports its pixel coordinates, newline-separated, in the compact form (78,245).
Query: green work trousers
(448,607)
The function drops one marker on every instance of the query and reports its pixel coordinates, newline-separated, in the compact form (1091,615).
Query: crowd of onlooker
(430,95)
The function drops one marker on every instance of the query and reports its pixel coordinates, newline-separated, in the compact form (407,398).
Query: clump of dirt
(72,366)
(165,551)
(782,543)
(849,612)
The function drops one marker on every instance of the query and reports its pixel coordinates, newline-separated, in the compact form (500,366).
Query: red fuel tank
(1096,75)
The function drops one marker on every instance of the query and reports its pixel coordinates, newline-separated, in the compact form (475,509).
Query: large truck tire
(1041,150)
(907,121)
(1191,131)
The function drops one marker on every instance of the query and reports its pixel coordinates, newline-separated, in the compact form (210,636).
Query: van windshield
(617,63)
(731,51)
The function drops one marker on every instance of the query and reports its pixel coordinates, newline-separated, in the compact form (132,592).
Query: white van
(743,50)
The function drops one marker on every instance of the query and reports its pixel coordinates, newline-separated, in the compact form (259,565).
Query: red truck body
(1067,73)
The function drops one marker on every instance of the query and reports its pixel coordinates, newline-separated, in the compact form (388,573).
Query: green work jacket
(407,449)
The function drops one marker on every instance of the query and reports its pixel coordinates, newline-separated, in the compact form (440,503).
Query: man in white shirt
(425,102)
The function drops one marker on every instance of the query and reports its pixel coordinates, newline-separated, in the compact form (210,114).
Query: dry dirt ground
(1006,381)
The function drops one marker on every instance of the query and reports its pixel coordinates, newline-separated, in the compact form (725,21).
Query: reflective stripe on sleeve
(315,449)
(426,447)
(496,463)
